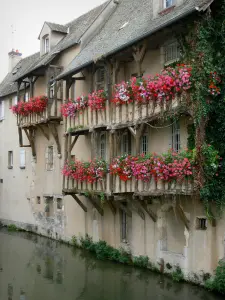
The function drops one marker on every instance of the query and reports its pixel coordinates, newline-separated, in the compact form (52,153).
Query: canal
(34,268)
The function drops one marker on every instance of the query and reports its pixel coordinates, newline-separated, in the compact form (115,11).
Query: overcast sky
(27,18)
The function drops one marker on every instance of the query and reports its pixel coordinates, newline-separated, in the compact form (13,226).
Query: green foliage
(141,261)
(74,241)
(191,137)
(12,227)
(71,129)
(177,275)
(218,282)
(103,251)
(203,47)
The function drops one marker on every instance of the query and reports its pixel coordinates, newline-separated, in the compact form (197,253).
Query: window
(126,143)
(59,203)
(38,200)
(144,144)
(10,159)
(171,52)
(49,207)
(2,110)
(22,159)
(123,226)
(201,223)
(49,158)
(26,97)
(176,136)
(100,79)
(46,44)
(168,3)
(103,146)
(15,100)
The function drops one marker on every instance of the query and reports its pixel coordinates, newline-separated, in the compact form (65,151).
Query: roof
(8,85)
(76,29)
(57,27)
(132,21)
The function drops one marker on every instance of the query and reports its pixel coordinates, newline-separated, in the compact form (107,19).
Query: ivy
(204,49)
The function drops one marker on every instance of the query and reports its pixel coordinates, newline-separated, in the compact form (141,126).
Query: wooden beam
(136,205)
(112,206)
(54,131)
(44,133)
(30,135)
(132,131)
(96,205)
(20,136)
(183,217)
(151,214)
(74,142)
(75,197)
(124,208)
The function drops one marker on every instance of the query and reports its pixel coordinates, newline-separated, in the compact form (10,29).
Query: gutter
(130,43)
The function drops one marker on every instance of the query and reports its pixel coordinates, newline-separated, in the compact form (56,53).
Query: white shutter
(22,158)
(15,100)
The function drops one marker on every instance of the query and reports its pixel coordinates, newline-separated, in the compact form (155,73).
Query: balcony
(37,110)
(144,176)
(133,102)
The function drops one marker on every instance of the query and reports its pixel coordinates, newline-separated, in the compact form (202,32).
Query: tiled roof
(76,29)
(8,85)
(57,27)
(131,21)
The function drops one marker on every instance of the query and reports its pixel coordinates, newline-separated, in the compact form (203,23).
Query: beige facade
(35,196)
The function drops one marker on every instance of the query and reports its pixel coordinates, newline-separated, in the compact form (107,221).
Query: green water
(35,268)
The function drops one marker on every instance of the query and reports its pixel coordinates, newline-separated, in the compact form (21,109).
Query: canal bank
(25,253)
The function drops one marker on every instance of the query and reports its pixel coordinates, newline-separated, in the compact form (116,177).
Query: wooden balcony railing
(132,186)
(127,114)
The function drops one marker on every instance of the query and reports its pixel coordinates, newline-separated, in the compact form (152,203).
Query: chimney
(14,58)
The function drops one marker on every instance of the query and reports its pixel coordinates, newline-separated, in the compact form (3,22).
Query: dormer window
(46,44)
(168,3)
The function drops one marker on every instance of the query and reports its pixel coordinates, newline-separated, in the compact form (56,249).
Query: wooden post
(18,90)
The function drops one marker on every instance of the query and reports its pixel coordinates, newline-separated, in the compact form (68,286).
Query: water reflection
(34,268)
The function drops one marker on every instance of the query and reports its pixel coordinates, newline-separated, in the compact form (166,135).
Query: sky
(26,17)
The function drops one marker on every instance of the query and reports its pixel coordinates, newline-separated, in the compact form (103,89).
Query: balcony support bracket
(46,134)
(30,133)
(151,214)
(76,198)
(53,129)
(96,205)
(124,208)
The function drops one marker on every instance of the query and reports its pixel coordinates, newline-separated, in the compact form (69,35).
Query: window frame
(23,152)
(176,140)
(175,54)
(101,150)
(145,135)
(2,110)
(167,4)
(50,158)
(100,79)
(128,142)
(124,226)
(10,159)
(46,44)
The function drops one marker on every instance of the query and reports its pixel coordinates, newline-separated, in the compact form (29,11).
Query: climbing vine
(204,49)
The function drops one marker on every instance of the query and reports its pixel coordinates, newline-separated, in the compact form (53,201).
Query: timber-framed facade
(150,218)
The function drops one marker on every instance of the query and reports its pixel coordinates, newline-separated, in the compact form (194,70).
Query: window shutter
(22,158)
(15,100)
